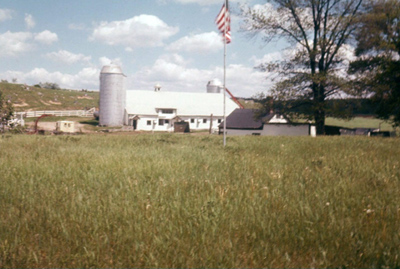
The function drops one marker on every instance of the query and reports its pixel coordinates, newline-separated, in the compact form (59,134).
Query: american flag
(223,22)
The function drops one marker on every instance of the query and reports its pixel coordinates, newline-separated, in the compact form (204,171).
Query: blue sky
(171,42)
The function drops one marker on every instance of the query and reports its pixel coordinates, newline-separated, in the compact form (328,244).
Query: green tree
(377,70)
(50,85)
(318,32)
(6,109)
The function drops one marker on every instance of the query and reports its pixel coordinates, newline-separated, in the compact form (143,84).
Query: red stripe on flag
(223,22)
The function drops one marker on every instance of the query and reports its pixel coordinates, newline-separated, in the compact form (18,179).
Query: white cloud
(29,21)
(268,58)
(245,81)
(200,43)
(12,44)
(172,72)
(347,52)
(106,61)
(139,31)
(68,57)
(174,58)
(46,37)
(87,78)
(5,14)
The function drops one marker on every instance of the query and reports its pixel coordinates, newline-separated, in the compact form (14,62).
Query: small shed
(65,126)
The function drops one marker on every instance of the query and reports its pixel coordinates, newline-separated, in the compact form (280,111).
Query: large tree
(318,32)
(377,70)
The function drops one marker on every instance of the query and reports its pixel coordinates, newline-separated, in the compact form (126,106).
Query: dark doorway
(134,123)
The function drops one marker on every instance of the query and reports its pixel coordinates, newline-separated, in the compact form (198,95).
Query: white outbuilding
(65,126)
(158,110)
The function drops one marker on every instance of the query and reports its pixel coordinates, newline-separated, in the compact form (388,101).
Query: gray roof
(243,119)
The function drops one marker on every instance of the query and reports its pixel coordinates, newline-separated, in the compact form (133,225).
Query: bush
(49,85)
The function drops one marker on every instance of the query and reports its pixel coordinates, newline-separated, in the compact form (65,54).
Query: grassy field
(32,98)
(168,200)
(361,122)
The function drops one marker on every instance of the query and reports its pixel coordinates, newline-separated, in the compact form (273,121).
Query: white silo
(112,96)
(214,86)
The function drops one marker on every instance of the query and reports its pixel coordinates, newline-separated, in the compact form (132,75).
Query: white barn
(157,110)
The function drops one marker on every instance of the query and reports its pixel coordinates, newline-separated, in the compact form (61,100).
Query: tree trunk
(319,108)
(319,116)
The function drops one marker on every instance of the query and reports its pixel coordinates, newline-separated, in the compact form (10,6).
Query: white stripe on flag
(223,22)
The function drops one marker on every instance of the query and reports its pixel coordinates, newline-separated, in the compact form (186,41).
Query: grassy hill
(25,98)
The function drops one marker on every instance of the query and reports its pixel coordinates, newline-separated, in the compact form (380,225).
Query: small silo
(112,96)
(214,86)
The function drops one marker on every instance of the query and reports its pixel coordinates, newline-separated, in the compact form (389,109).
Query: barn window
(166,121)
(204,120)
(149,122)
(219,120)
(160,122)
(167,111)
(191,120)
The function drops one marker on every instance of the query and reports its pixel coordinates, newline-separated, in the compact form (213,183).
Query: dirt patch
(55,103)
(47,126)
(20,104)
(85,97)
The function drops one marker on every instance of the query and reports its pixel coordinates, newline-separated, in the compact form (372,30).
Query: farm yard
(173,200)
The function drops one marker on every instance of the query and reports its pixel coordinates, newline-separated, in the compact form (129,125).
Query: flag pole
(225,25)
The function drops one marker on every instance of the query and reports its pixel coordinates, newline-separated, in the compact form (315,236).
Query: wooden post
(211,123)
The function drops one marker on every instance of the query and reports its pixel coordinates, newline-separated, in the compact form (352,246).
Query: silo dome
(111,69)
(112,96)
(214,86)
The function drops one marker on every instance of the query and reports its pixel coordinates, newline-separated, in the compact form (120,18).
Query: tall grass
(185,201)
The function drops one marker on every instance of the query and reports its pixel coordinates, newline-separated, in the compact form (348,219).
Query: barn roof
(186,103)
(243,119)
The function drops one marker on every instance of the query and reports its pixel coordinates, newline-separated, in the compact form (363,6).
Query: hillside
(27,98)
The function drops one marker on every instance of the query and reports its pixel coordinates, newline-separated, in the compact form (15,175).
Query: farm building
(156,110)
(243,122)
(65,126)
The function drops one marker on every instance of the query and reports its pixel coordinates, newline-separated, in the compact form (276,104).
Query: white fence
(56,113)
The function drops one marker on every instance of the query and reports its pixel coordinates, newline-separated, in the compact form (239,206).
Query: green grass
(361,122)
(89,121)
(168,200)
(32,98)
